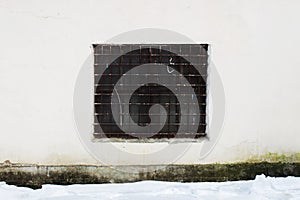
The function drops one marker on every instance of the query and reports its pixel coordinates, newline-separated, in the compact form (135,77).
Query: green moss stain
(34,176)
(276,157)
(66,176)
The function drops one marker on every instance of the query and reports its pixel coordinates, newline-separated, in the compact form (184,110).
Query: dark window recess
(111,62)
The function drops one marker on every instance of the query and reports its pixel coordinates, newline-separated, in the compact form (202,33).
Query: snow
(260,188)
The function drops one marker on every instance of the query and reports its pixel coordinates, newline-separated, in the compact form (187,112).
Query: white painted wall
(255,47)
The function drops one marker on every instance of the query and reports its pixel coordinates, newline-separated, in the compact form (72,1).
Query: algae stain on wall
(276,157)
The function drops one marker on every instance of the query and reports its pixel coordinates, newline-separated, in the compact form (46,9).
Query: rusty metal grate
(113,62)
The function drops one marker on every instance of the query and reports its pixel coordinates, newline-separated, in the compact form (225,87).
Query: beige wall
(44,43)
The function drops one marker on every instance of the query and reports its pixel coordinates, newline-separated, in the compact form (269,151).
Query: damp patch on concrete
(276,157)
(34,176)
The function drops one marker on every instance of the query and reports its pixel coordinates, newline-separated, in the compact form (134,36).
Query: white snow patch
(260,188)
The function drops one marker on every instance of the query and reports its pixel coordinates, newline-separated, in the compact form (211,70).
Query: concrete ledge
(34,176)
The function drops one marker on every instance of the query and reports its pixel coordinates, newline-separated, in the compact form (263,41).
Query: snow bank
(260,188)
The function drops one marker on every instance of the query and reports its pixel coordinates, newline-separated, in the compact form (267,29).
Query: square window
(172,104)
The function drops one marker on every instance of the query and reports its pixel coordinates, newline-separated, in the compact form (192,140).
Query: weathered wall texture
(254,47)
(35,176)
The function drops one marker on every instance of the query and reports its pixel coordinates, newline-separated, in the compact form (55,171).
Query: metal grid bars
(150,91)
